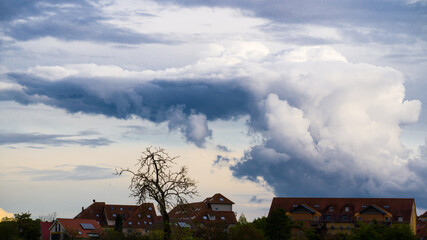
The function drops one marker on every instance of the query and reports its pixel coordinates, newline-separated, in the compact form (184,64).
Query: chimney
(83,209)
(93,200)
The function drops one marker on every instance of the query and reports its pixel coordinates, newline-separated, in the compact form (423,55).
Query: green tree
(28,228)
(245,232)
(155,179)
(9,229)
(278,225)
(118,223)
(242,219)
(260,223)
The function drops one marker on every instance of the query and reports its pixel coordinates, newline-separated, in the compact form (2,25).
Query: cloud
(76,173)
(52,139)
(223,148)
(3,214)
(254,199)
(69,21)
(328,126)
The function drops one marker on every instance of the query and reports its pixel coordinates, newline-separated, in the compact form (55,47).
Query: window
(328,217)
(205,217)
(148,216)
(294,205)
(139,215)
(130,223)
(145,222)
(121,209)
(87,226)
(97,215)
(347,209)
(149,208)
(139,223)
(317,205)
(80,233)
(400,219)
(332,227)
(363,206)
(114,215)
(221,199)
(386,206)
(344,218)
(222,218)
(150,223)
(331,209)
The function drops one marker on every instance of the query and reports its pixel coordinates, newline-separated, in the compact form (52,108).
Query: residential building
(44,230)
(213,210)
(343,214)
(63,228)
(136,218)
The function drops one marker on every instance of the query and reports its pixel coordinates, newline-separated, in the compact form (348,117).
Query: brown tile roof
(335,207)
(143,214)
(424,215)
(218,198)
(201,212)
(74,226)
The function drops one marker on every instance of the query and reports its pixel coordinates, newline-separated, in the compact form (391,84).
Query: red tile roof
(132,214)
(44,227)
(424,215)
(399,207)
(74,226)
(201,212)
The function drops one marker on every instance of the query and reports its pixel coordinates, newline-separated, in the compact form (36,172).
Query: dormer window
(222,218)
(331,209)
(400,219)
(347,209)
(295,205)
(317,205)
(363,206)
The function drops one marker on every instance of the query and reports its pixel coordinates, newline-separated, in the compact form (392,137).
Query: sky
(258,98)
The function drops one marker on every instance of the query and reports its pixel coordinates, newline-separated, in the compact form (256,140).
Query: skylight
(87,226)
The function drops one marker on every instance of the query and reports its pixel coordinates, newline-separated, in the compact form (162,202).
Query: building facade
(344,214)
(136,218)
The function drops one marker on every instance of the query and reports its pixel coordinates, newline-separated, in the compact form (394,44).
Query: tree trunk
(167,230)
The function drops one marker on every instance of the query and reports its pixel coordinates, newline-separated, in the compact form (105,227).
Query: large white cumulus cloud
(326,123)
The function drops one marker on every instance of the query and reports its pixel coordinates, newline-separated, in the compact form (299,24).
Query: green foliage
(260,223)
(242,219)
(28,228)
(9,229)
(278,226)
(245,232)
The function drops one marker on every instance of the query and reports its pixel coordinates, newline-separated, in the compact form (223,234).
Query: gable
(372,210)
(302,210)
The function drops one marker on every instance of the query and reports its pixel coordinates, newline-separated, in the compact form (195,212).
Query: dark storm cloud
(77,173)
(68,20)
(152,100)
(179,102)
(52,139)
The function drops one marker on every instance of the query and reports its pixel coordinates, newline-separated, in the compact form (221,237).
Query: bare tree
(155,179)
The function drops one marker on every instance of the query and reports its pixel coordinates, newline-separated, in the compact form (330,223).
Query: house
(343,214)
(213,210)
(63,228)
(136,218)
(44,230)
